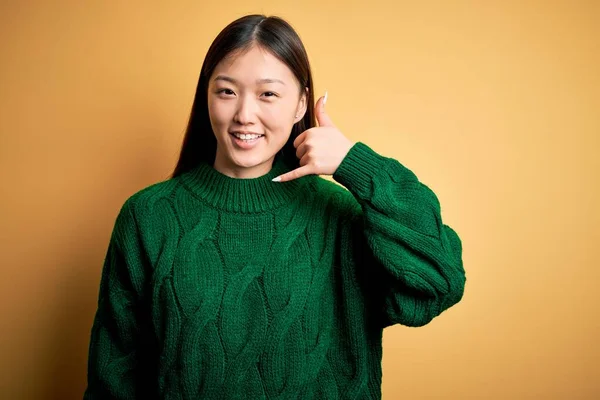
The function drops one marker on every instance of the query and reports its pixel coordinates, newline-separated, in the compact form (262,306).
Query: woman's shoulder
(144,200)
(336,196)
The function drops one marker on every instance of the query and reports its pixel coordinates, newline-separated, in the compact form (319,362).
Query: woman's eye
(229,92)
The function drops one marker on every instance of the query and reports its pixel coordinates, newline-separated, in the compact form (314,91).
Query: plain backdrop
(495,105)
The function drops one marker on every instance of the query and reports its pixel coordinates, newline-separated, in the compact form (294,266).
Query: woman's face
(255,93)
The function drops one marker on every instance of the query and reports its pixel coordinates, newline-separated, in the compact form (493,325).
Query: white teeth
(246,137)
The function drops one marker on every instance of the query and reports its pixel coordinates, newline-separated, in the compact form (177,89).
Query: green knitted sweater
(222,288)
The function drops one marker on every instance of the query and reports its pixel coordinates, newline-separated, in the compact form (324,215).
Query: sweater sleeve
(119,362)
(399,242)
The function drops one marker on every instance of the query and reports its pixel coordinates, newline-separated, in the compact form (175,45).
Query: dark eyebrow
(258,81)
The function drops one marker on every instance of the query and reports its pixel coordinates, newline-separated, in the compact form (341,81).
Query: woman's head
(230,97)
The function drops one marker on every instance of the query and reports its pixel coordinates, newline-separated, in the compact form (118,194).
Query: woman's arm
(398,239)
(120,364)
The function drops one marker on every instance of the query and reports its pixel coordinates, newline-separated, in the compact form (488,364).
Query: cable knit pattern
(222,288)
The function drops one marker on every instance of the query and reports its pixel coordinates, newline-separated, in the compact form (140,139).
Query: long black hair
(273,34)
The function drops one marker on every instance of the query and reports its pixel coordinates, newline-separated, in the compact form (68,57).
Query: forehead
(251,65)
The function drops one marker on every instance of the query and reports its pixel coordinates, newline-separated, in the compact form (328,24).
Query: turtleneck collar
(242,195)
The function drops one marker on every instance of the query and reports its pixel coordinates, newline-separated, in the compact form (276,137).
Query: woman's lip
(245,144)
(255,134)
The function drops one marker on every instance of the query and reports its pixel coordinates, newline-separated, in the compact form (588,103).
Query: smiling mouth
(248,137)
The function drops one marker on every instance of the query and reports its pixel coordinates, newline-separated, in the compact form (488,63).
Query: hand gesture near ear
(320,149)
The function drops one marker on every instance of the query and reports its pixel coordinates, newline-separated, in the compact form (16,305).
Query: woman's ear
(302,105)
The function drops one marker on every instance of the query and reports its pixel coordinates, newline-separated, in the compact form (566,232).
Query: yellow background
(495,105)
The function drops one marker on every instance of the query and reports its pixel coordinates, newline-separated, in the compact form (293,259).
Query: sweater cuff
(357,169)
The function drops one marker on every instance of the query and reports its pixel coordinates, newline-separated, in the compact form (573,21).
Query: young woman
(246,274)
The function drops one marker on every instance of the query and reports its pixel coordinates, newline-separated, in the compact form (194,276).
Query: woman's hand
(320,149)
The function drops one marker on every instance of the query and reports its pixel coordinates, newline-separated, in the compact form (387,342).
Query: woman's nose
(246,111)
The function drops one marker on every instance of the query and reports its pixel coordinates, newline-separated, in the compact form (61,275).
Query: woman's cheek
(276,117)
(218,116)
